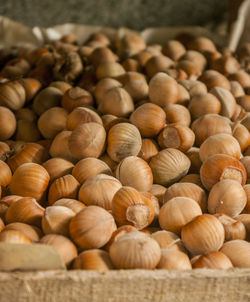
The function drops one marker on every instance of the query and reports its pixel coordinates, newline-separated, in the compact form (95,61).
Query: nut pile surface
(124,155)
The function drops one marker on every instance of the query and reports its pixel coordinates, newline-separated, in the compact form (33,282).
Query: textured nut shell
(63,86)
(174,260)
(134,172)
(241,133)
(116,101)
(238,252)
(245,219)
(8,123)
(247,190)
(103,86)
(184,96)
(12,236)
(99,190)
(5,175)
(135,84)
(246,121)
(109,70)
(246,162)
(236,89)
(177,212)
(56,220)
(194,87)
(94,259)
(208,125)
(158,191)
(200,105)
(60,146)
(76,97)
(81,115)
(176,136)
(193,155)
(227,197)
(168,240)
(135,251)
(31,86)
(154,201)
(149,148)
(185,189)
(149,119)
(228,103)
(4,149)
(219,167)
(58,167)
(130,207)
(27,131)
(122,230)
(242,77)
(30,231)
(196,57)
(47,98)
(233,229)
(87,140)
(173,49)
(156,64)
(92,227)
(12,95)
(25,210)
(163,90)
(73,204)
(64,246)
(52,121)
(176,113)
(26,114)
(203,234)
(29,179)
(213,260)
(220,144)
(226,64)
(89,167)
(27,153)
(213,78)
(168,166)
(244,102)
(124,140)
(63,187)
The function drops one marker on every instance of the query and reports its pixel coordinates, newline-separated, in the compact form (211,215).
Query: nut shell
(29,179)
(177,212)
(163,90)
(94,259)
(87,140)
(213,260)
(130,207)
(124,140)
(63,187)
(92,227)
(149,119)
(227,197)
(134,172)
(238,252)
(168,166)
(203,234)
(185,189)
(99,190)
(219,167)
(135,251)
(174,260)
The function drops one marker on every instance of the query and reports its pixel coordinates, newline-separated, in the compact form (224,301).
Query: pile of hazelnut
(124,155)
